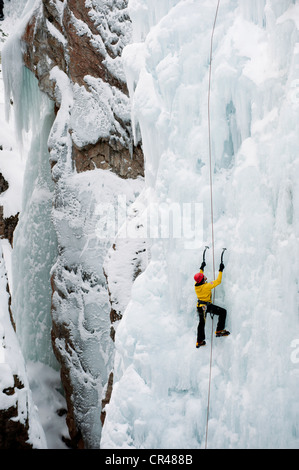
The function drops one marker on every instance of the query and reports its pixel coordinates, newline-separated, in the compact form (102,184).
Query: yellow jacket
(204,291)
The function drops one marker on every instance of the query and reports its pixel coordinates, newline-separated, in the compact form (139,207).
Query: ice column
(35,244)
(35,249)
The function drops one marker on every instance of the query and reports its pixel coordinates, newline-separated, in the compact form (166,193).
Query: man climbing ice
(203,290)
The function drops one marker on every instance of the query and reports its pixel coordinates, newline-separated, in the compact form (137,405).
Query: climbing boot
(222,333)
(201,343)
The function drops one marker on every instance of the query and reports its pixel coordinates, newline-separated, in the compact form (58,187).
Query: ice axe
(204,254)
(223,250)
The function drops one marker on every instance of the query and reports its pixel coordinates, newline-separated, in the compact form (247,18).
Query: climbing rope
(212,215)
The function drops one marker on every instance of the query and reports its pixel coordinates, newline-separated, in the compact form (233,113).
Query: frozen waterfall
(35,243)
(159,398)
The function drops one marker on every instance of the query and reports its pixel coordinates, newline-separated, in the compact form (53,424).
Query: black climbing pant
(214,310)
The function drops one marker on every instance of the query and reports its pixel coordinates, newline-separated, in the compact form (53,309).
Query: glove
(203,264)
(221,267)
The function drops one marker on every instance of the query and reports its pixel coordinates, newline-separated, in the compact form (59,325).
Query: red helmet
(198,277)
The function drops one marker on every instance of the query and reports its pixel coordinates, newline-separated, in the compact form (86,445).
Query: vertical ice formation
(19,421)
(35,247)
(35,244)
(159,398)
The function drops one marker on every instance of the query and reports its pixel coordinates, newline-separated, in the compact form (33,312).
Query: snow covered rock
(7,224)
(85,42)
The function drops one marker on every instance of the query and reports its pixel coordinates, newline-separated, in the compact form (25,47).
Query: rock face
(13,433)
(73,48)
(83,42)
(7,224)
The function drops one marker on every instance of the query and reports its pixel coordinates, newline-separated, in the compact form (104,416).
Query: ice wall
(35,248)
(160,393)
(19,419)
(35,243)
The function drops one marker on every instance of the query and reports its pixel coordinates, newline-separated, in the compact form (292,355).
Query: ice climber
(203,291)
